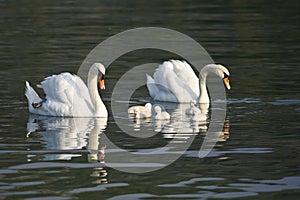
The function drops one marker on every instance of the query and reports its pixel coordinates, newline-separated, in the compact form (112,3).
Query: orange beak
(101,83)
(226,82)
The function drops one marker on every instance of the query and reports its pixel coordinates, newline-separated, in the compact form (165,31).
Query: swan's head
(148,106)
(99,69)
(223,73)
(192,103)
(157,109)
(220,71)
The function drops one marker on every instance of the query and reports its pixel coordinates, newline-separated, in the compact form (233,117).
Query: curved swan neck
(99,107)
(204,98)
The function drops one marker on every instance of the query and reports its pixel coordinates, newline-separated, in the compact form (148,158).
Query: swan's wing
(158,91)
(66,95)
(153,90)
(181,69)
(158,87)
(64,88)
(82,88)
(186,74)
(166,85)
(163,71)
(31,95)
(59,88)
(165,77)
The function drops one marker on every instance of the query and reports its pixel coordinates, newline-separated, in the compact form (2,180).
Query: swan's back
(65,95)
(161,115)
(179,78)
(173,81)
(64,86)
(185,73)
(158,86)
(141,111)
(163,73)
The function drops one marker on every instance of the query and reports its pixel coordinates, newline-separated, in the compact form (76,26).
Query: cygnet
(192,108)
(141,111)
(161,115)
(197,116)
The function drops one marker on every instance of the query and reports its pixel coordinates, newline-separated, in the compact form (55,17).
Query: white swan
(161,115)
(141,115)
(175,81)
(66,95)
(141,111)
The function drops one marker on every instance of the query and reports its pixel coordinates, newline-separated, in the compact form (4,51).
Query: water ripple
(217,153)
(98,188)
(248,187)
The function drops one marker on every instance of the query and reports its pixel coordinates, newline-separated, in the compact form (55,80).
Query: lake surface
(256,155)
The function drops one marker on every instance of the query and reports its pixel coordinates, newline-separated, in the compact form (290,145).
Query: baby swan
(197,116)
(192,108)
(141,115)
(141,111)
(161,115)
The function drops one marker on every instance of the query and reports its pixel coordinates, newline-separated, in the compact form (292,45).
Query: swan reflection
(68,135)
(65,137)
(224,135)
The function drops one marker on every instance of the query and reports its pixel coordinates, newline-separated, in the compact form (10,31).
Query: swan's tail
(153,90)
(31,95)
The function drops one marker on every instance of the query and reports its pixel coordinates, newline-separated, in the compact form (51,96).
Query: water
(257,159)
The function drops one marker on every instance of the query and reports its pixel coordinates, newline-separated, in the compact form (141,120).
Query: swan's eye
(102,77)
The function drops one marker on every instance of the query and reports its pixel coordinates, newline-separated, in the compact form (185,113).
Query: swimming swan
(197,116)
(66,95)
(175,81)
(141,111)
(161,115)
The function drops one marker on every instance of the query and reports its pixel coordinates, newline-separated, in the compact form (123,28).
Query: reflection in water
(226,130)
(181,125)
(218,188)
(62,134)
(101,174)
(179,122)
(65,137)
(140,121)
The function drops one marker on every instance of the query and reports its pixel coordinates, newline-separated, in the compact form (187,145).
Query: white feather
(175,81)
(141,111)
(67,95)
(161,115)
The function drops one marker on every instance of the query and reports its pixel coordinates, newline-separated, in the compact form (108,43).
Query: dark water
(257,159)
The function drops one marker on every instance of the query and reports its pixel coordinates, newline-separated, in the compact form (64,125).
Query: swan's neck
(99,107)
(204,98)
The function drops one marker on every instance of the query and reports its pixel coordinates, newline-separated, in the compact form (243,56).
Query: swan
(66,95)
(141,111)
(197,116)
(175,81)
(141,115)
(161,115)
(192,108)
